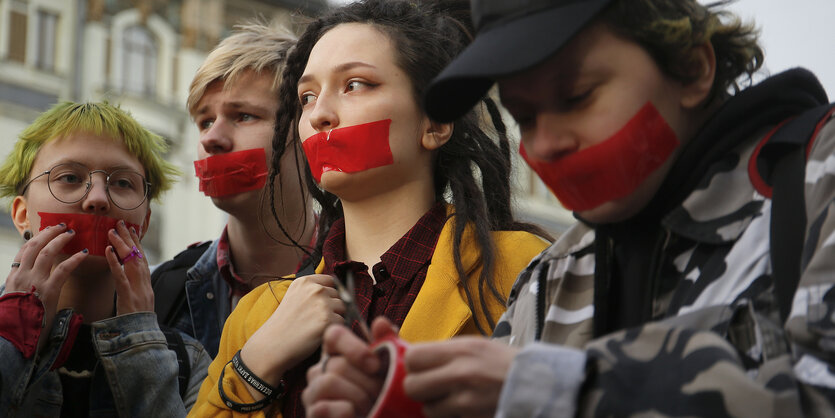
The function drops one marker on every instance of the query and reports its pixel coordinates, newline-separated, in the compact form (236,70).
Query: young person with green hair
(78,336)
(680,292)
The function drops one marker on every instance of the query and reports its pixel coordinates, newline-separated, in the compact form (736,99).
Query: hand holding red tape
(393,400)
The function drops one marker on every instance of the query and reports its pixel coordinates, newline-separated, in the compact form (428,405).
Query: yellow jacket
(440,310)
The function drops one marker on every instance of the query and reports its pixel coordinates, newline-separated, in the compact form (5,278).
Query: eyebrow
(109,169)
(233,105)
(341,68)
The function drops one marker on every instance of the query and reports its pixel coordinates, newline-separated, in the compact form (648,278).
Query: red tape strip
(350,149)
(90,230)
(232,173)
(612,169)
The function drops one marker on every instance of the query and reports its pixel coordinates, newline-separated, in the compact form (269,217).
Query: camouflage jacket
(714,344)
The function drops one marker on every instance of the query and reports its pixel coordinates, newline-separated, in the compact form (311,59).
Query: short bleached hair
(253,46)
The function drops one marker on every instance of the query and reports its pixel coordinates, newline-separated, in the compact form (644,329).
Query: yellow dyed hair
(103,119)
(254,46)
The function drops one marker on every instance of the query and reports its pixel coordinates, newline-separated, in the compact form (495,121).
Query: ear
(20,214)
(146,223)
(697,91)
(436,135)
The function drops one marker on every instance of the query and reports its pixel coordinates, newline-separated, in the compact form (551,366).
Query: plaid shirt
(238,287)
(399,276)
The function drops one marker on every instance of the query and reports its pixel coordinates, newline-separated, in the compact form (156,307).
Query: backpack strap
(178,346)
(785,153)
(310,265)
(168,282)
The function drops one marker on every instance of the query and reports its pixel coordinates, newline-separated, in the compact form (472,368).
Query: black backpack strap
(786,149)
(310,265)
(176,344)
(168,282)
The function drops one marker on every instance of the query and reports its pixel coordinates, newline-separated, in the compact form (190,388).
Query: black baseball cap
(511,36)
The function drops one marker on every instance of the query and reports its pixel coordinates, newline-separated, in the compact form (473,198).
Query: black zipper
(656,263)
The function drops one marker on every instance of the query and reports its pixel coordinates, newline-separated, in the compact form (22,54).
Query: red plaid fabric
(399,274)
(238,287)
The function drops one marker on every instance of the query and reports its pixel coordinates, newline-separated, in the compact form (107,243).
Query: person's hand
(348,379)
(134,292)
(294,331)
(461,377)
(39,268)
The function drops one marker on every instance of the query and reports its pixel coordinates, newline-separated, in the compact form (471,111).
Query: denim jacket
(207,302)
(136,375)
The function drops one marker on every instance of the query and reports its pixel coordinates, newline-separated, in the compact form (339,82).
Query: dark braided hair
(472,169)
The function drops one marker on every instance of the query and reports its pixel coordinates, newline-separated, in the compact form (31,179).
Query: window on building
(47,35)
(17,36)
(140,61)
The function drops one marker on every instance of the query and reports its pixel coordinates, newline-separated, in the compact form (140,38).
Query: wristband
(252,380)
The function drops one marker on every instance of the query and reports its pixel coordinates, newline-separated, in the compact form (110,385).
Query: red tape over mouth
(90,230)
(612,169)
(350,149)
(232,173)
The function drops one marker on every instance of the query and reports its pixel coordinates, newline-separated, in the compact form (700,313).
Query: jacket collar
(441,291)
(206,265)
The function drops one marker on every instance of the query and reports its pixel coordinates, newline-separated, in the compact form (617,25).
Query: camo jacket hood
(713,343)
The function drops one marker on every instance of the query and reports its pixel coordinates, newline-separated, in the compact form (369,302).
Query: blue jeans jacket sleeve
(142,370)
(18,375)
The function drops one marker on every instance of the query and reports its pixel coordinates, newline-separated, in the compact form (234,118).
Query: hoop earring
(27,235)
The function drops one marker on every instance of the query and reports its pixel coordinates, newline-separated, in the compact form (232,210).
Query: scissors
(346,294)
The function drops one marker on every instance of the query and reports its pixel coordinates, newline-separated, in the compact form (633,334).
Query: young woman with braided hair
(417,211)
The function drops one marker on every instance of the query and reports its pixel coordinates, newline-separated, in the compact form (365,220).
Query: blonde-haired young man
(233,101)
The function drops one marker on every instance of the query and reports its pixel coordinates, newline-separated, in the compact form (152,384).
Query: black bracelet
(250,378)
(275,393)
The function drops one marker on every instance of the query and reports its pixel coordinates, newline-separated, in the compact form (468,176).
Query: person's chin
(92,265)
(623,208)
(609,212)
(231,202)
(617,210)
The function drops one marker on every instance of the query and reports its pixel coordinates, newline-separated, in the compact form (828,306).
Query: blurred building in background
(142,55)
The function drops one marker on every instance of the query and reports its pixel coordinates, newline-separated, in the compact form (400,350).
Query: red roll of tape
(393,401)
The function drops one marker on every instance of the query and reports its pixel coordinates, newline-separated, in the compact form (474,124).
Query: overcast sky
(793,33)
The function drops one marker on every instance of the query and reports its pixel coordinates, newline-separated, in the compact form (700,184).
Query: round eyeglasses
(70,182)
